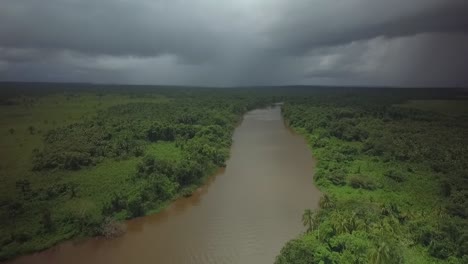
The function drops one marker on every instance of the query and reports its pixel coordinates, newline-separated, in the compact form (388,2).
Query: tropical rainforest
(76,160)
(75,163)
(394,173)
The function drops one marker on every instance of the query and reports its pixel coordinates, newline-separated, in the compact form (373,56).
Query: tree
(326,202)
(14,208)
(385,253)
(307,220)
(381,254)
(31,130)
(46,220)
(135,206)
(117,203)
(305,250)
(339,223)
(24,185)
(73,187)
(345,222)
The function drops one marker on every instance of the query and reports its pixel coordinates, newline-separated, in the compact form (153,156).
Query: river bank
(244,214)
(392,182)
(121,156)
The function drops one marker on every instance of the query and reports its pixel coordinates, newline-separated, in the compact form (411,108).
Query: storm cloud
(229,43)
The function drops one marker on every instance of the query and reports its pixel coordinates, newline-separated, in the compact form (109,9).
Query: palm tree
(382,254)
(353,223)
(326,202)
(307,220)
(24,186)
(31,130)
(341,224)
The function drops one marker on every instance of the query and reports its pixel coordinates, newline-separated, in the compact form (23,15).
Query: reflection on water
(244,214)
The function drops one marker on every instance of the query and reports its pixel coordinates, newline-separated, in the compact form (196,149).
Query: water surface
(244,214)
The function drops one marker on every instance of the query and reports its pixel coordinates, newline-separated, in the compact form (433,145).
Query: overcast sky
(236,42)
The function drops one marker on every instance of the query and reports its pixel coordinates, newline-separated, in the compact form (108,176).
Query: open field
(24,124)
(42,114)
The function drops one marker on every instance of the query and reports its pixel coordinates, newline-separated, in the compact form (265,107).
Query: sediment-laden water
(244,214)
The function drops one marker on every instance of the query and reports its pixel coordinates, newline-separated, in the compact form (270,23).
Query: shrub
(337,177)
(362,182)
(14,208)
(423,233)
(305,250)
(46,220)
(21,237)
(111,228)
(395,175)
(441,249)
(69,160)
(445,188)
(23,185)
(83,221)
(459,204)
(138,151)
(135,206)
(117,203)
(31,130)
(55,190)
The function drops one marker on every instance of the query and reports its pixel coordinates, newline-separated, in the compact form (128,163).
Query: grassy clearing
(164,151)
(23,126)
(43,114)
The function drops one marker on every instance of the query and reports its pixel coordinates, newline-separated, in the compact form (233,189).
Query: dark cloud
(310,24)
(244,42)
(435,59)
(140,28)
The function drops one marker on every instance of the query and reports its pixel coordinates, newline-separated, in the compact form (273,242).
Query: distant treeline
(15,89)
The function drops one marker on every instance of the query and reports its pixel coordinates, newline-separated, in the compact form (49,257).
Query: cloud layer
(244,42)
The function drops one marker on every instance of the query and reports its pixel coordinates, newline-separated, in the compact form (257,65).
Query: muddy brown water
(244,214)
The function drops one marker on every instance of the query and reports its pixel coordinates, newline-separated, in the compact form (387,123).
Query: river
(244,214)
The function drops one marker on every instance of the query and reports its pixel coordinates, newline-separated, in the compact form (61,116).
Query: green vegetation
(393,164)
(394,174)
(74,162)
(450,107)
